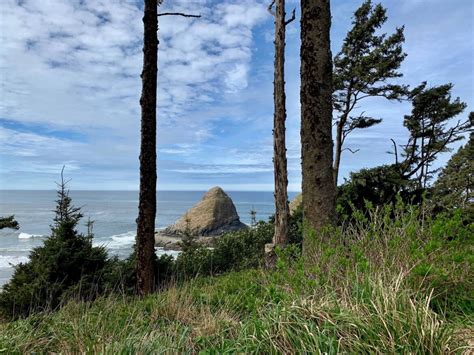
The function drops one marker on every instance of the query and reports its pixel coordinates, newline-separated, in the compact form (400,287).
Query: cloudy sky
(70,89)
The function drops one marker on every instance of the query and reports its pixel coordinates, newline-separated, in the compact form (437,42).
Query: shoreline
(173,242)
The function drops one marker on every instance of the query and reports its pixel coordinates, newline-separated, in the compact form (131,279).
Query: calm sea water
(114,213)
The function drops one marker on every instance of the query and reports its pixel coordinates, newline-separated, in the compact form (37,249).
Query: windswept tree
(319,191)
(365,67)
(279,117)
(145,240)
(432,131)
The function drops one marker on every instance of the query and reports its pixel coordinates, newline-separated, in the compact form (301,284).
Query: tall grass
(397,283)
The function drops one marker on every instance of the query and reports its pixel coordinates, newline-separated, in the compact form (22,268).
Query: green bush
(377,186)
(66,266)
(232,251)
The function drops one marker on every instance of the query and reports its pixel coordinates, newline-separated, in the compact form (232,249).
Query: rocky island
(211,217)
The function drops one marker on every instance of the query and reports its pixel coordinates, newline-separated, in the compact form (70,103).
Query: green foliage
(374,187)
(431,130)
(365,67)
(400,283)
(66,266)
(119,276)
(232,251)
(455,185)
(235,250)
(9,222)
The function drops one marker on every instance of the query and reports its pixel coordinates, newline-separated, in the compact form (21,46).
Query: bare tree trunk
(338,151)
(279,118)
(145,242)
(319,191)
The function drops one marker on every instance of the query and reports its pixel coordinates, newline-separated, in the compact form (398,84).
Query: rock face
(215,214)
(295,203)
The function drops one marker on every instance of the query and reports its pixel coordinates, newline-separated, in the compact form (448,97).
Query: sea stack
(214,215)
(296,203)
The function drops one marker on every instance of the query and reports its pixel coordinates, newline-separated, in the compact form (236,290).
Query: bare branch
(292,18)
(177,14)
(457,129)
(353,151)
(270,8)
(395,151)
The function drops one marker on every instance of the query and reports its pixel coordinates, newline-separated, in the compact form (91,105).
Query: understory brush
(391,281)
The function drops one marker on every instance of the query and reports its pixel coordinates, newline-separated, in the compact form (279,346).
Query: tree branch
(351,150)
(452,132)
(292,18)
(270,7)
(177,14)
(395,151)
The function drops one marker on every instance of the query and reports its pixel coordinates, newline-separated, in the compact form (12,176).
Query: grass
(398,284)
(248,311)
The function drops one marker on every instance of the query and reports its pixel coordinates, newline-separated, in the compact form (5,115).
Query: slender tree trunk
(340,134)
(319,191)
(279,118)
(145,242)
(338,152)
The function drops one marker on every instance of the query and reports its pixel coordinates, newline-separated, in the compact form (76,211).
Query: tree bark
(319,191)
(279,118)
(145,242)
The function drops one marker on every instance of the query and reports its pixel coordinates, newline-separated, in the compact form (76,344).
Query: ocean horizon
(114,213)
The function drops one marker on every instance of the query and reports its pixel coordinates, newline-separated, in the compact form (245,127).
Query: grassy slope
(399,284)
(249,311)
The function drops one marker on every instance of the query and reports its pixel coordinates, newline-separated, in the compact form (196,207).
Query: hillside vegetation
(401,283)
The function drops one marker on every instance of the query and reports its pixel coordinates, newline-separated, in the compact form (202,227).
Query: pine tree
(432,131)
(319,191)
(67,266)
(282,213)
(145,241)
(364,68)
(455,185)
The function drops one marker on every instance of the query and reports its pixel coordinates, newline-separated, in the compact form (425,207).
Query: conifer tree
(319,191)
(145,240)
(365,67)
(282,213)
(432,131)
(66,266)
(455,185)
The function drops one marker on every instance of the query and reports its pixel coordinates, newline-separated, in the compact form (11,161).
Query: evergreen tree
(282,213)
(319,191)
(365,67)
(455,185)
(431,129)
(66,266)
(145,240)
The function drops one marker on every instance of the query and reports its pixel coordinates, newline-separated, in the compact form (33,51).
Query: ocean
(113,213)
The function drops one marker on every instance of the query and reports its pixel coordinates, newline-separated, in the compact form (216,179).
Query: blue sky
(70,90)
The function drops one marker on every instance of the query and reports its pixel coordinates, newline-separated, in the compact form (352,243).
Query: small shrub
(232,251)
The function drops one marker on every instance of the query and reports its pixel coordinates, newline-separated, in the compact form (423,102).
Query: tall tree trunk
(145,242)
(319,191)
(279,118)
